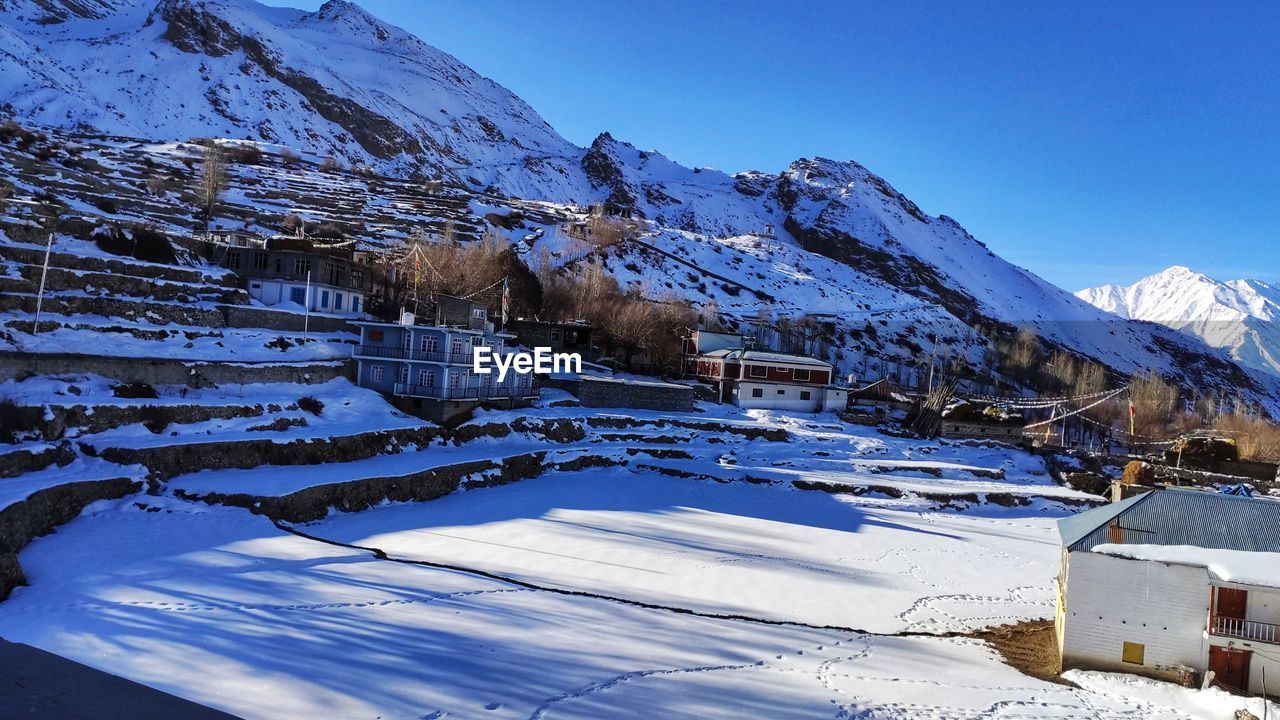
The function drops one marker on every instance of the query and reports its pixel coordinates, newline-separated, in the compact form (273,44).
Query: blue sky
(1090,142)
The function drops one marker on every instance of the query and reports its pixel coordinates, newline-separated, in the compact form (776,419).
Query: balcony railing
(1245,629)
(495,392)
(395,353)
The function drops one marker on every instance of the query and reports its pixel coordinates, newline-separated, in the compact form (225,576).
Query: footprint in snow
(493,706)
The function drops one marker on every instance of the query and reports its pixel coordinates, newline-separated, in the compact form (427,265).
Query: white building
(1172,581)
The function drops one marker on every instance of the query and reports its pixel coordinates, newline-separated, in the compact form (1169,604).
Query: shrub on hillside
(244,154)
(134,391)
(330,164)
(9,425)
(105,204)
(311,405)
(152,246)
(113,240)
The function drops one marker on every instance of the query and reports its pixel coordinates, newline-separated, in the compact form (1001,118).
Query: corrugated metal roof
(1073,528)
(1179,517)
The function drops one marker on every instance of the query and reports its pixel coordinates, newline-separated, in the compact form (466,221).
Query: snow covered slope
(1242,316)
(822,237)
(333,82)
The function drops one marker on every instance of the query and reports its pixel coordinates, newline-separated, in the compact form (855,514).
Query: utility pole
(306,301)
(44,272)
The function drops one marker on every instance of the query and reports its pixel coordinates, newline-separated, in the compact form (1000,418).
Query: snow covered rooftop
(1250,568)
(766,357)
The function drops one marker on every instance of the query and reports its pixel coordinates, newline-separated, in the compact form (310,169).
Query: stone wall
(52,421)
(19,365)
(244,316)
(43,511)
(626,394)
(114,307)
(167,461)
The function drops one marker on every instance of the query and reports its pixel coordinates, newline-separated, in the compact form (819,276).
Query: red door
(1230,667)
(1231,602)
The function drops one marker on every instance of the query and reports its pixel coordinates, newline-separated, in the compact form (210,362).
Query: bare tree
(213,181)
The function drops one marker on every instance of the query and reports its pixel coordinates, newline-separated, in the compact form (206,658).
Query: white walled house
(1172,581)
(769,380)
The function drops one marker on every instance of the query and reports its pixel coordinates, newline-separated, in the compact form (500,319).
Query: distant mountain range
(821,237)
(1241,316)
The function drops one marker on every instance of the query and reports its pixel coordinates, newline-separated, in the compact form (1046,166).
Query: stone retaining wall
(46,509)
(244,316)
(52,421)
(34,256)
(639,395)
(19,365)
(166,461)
(131,286)
(112,307)
(20,462)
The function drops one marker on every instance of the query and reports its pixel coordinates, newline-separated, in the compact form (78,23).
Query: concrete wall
(1112,600)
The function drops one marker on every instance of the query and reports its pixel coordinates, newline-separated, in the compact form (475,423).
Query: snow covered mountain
(1242,316)
(821,237)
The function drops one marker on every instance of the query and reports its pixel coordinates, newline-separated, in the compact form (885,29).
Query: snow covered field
(221,607)
(737,548)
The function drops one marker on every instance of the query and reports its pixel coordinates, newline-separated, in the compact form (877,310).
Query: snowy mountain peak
(1242,316)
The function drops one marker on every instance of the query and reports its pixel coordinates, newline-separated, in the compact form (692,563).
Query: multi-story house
(558,336)
(305,273)
(762,379)
(1173,582)
(426,369)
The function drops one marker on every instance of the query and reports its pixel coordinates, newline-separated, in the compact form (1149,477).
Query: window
(406,340)
(454,377)
(782,391)
(301,266)
(355,303)
(337,301)
(259,261)
(375,373)
(233,261)
(802,375)
(357,280)
(279,266)
(427,378)
(804,395)
(757,371)
(298,295)
(331,272)
(555,335)
(478,313)
(457,346)
(757,392)
(404,374)
(428,343)
(1133,653)
(324,298)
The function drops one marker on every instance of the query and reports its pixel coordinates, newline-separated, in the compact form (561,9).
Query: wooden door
(1230,667)
(1232,602)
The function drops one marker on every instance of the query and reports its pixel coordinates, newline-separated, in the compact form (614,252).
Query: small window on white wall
(804,395)
(757,392)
